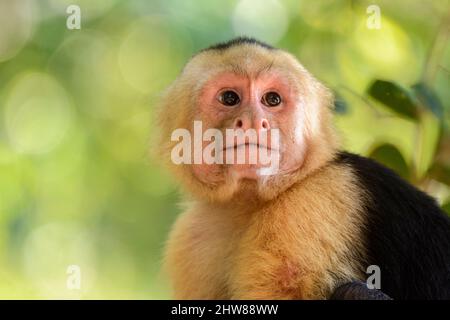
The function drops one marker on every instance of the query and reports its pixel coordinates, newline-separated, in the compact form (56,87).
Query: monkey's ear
(358,290)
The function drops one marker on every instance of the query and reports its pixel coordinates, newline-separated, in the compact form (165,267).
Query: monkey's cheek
(292,162)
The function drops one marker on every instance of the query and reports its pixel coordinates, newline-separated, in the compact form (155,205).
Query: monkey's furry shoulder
(317,221)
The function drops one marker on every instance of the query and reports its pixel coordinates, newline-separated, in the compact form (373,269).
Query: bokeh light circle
(148,54)
(48,252)
(37,114)
(266,20)
(89,9)
(16,26)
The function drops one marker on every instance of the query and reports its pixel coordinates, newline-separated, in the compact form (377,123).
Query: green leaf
(391,157)
(397,98)
(427,143)
(428,99)
(440,172)
(446,207)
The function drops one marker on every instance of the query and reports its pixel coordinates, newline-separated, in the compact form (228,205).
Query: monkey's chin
(249,172)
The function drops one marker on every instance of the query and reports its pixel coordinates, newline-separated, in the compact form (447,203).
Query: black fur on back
(407,234)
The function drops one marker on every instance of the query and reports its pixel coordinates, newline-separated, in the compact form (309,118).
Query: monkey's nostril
(265,124)
(239,123)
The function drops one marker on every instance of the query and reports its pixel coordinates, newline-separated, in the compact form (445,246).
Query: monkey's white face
(264,102)
(247,88)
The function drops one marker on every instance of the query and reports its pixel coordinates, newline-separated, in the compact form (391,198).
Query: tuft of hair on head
(238,41)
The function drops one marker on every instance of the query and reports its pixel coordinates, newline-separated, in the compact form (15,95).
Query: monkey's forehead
(247,59)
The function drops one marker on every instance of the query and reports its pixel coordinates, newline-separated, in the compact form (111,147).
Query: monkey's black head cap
(237,42)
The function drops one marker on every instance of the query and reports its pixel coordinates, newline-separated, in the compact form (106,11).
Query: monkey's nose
(264,125)
(257,124)
(238,124)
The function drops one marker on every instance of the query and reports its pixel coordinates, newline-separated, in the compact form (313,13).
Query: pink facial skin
(251,113)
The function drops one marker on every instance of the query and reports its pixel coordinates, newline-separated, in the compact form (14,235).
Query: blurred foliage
(77,184)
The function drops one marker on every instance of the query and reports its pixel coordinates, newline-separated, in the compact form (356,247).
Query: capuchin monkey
(307,228)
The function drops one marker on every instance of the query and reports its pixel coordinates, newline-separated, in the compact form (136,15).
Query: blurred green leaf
(429,99)
(395,97)
(440,173)
(391,157)
(340,105)
(446,207)
(427,143)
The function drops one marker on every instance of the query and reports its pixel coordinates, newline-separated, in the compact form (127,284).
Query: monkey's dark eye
(229,98)
(271,99)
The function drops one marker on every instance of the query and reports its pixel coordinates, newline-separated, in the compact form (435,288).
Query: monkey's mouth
(249,145)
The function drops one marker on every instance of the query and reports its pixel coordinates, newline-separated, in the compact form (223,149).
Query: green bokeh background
(78,184)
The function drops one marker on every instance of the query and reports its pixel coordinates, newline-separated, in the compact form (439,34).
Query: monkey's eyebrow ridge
(238,70)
